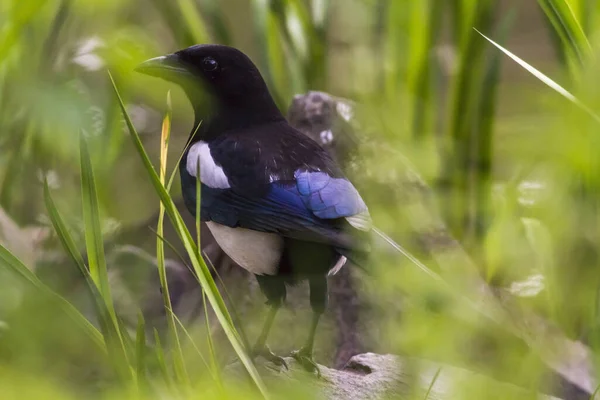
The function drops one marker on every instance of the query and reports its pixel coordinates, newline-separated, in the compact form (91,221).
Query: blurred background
(476,166)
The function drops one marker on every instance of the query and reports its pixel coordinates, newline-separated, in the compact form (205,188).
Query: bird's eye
(209,64)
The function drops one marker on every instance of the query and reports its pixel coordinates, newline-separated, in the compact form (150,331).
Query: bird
(274,199)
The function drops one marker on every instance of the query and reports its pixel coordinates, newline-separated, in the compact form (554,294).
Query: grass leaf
(160,358)
(202,273)
(63,232)
(567,27)
(194,21)
(93,230)
(545,79)
(462,130)
(212,371)
(69,244)
(15,266)
(424,29)
(140,349)
(179,364)
(114,333)
(432,384)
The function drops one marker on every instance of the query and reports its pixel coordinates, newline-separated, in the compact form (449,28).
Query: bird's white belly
(257,252)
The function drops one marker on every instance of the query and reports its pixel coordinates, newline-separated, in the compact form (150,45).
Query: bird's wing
(332,198)
(304,198)
(312,207)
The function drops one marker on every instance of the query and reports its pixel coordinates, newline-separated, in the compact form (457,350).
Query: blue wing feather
(311,182)
(313,207)
(327,197)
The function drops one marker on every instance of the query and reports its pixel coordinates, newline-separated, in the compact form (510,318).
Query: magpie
(273,198)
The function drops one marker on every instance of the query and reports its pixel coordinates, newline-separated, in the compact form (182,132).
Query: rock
(376,376)
(24,243)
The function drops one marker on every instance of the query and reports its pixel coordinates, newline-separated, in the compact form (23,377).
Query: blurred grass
(200,269)
(562,14)
(178,360)
(513,168)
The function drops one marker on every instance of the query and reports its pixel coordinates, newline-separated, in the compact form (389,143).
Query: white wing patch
(211,174)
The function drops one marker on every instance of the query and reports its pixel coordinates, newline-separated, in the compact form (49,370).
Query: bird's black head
(224,72)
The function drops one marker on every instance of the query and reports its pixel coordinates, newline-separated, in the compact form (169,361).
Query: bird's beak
(167,67)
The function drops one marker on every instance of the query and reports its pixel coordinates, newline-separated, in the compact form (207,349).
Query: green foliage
(15,266)
(470,142)
(179,365)
(200,269)
(574,43)
(448,90)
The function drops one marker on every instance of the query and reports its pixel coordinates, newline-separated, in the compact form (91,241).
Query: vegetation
(503,139)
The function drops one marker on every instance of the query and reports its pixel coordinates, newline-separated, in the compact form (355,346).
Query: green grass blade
(194,21)
(173,249)
(211,347)
(197,219)
(567,27)
(213,358)
(63,232)
(296,49)
(267,37)
(215,15)
(15,266)
(117,342)
(200,268)
(393,45)
(545,79)
(276,59)
(193,343)
(424,29)
(170,12)
(140,350)
(176,168)
(170,207)
(298,26)
(319,10)
(432,384)
(483,148)
(234,313)
(160,359)
(71,248)
(93,230)
(458,147)
(179,363)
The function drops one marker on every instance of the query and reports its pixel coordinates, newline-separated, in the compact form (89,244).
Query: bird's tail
(361,258)
(395,246)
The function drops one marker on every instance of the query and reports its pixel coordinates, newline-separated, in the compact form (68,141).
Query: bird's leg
(305,355)
(261,348)
(274,289)
(318,302)
(264,334)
